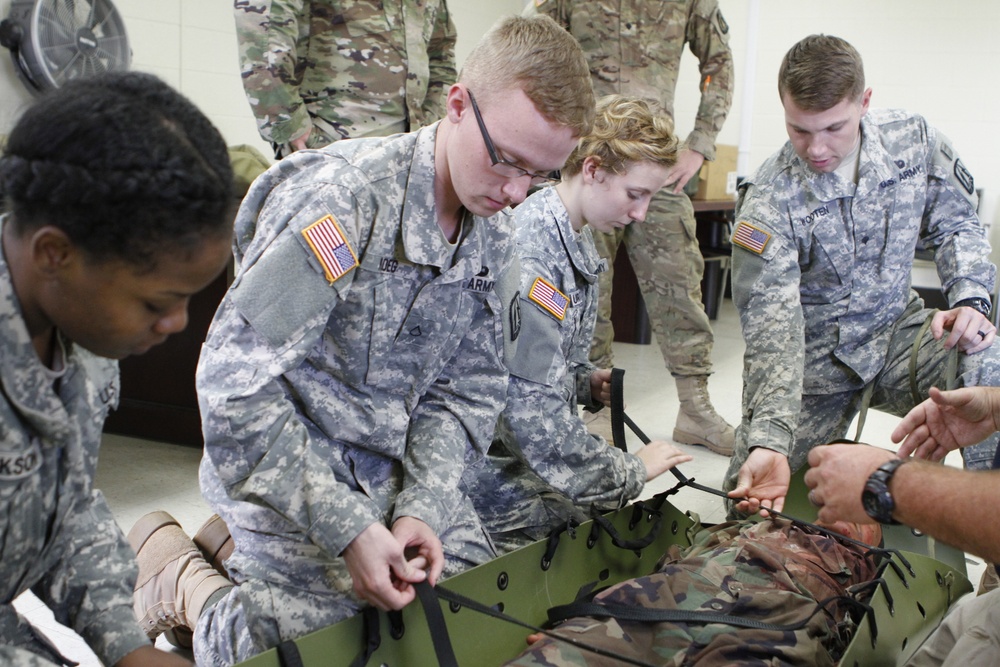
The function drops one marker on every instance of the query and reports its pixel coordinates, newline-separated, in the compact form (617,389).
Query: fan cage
(72,39)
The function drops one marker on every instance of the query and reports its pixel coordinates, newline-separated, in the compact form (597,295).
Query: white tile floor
(140,476)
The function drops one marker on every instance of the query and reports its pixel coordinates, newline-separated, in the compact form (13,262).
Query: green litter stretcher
(922,581)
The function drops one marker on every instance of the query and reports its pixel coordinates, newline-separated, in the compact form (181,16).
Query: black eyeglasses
(505,168)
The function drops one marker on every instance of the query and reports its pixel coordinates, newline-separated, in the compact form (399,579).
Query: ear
(457,102)
(866,98)
(592,171)
(52,251)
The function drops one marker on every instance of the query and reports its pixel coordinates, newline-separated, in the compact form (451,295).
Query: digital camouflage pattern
(823,285)
(634,48)
(772,571)
(344,69)
(332,403)
(58,537)
(544,466)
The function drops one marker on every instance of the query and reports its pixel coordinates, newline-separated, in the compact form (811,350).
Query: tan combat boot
(215,543)
(697,421)
(175,581)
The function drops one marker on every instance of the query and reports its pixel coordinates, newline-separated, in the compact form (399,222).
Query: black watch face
(876,502)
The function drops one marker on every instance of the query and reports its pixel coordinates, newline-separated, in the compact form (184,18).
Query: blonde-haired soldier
(544,466)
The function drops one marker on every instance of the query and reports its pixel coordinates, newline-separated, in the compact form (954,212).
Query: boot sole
(146,526)
(686,438)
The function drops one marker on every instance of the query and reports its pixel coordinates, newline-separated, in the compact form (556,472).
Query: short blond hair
(820,72)
(538,56)
(626,129)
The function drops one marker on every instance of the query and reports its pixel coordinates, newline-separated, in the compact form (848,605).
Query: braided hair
(127,167)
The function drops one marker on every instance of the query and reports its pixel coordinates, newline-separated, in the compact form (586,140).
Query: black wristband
(976,303)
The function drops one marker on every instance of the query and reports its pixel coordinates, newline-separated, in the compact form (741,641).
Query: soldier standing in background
(635,49)
(321,71)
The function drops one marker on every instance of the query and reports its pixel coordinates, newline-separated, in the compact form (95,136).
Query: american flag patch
(749,237)
(331,247)
(548,297)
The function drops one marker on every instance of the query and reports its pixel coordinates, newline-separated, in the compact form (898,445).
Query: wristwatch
(876,499)
(977,303)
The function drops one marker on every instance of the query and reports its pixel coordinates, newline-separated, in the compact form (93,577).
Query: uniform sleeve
(953,229)
(443,71)
(267,35)
(459,410)
(766,294)
(557,10)
(708,38)
(540,425)
(90,591)
(261,449)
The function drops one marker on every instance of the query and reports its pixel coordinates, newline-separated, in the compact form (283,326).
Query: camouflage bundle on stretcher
(482,617)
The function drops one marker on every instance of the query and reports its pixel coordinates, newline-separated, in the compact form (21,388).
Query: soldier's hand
(301,143)
(600,386)
(379,570)
(147,656)
(420,546)
(948,420)
(969,329)
(687,165)
(837,476)
(762,483)
(659,456)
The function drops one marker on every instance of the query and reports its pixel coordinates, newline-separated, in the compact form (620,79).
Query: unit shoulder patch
(548,297)
(752,238)
(331,247)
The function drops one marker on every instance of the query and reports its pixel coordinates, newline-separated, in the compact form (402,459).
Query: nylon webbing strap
(457,598)
(435,623)
(623,612)
(618,408)
(288,655)
(950,375)
(373,636)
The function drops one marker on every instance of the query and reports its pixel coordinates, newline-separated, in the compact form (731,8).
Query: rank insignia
(750,237)
(330,246)
(548,297)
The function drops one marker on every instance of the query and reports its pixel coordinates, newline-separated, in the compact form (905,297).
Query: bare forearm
(951,505)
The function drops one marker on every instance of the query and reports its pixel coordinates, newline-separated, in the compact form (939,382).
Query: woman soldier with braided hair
(116,193)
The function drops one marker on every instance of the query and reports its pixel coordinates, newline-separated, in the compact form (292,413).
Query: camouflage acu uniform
(57,536)
(772,571)
(821,278)
(543,460)
(634,48)
(344,69)
(336,396)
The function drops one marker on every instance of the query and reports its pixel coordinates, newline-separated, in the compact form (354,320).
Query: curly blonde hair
(626,129)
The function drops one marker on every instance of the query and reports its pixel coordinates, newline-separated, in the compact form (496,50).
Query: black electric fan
(54,41)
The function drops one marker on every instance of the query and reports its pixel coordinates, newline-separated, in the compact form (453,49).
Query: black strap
(618,408)
(435,623)
(623,612)
(622,543)
(373,637)
(288,654)
(456,598)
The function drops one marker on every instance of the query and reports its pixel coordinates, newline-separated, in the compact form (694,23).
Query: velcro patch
(548,297)
(331,247)
(752,238)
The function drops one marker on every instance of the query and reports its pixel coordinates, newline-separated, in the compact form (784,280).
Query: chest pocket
(826,263)
(413,338)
